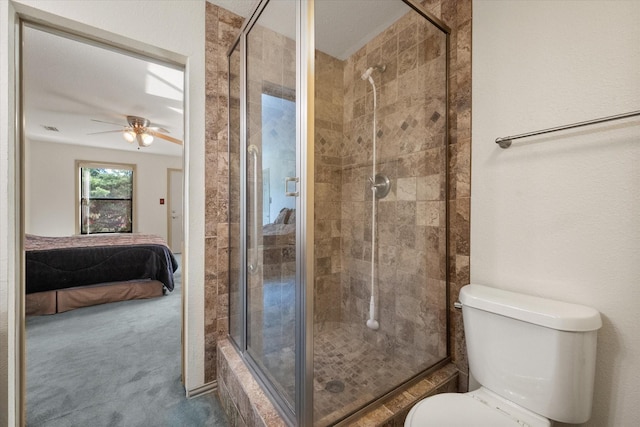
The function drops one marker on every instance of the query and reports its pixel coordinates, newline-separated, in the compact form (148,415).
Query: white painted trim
(193,254)
(202,390)
(10,330)
(78,189)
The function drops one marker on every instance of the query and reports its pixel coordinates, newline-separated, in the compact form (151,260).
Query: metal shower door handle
(254,256)
(287,180)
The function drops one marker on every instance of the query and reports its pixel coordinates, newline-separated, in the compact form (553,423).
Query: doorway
(61,126)
(175,211)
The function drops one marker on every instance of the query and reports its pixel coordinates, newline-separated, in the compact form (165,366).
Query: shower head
(367,74)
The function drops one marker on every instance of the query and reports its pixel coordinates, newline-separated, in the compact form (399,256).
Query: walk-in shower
(338,201)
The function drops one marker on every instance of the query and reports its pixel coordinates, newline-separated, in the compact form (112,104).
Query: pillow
(282,216)
(291,219)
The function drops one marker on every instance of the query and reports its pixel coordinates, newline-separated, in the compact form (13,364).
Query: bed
(282,232)
(64,273)
(279,246)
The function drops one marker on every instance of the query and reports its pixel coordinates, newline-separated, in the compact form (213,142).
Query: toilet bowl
(479,408)
(534,359)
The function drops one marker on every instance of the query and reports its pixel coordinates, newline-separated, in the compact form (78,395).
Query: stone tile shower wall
(329,93)
(222,27)
(412,222)
(235,298)
(458,15)
(411,219)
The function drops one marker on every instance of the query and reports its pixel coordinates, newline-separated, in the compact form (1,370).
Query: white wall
(559,216)
(51,187)
(171,30)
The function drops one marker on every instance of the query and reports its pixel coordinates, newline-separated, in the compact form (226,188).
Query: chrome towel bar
(505,141)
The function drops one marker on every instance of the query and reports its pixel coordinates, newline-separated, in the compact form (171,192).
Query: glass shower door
(271,195)
(381,144)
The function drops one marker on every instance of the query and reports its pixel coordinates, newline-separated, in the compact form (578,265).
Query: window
(106,197)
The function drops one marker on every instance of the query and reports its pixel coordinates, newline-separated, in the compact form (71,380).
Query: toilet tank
(537,353)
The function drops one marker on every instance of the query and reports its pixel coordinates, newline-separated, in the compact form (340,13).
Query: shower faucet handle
(381,185)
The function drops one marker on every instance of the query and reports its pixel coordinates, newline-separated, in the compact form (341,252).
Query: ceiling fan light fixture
(129,135)
(144,139)
(140,130)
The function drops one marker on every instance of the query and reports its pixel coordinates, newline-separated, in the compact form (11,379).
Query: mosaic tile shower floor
(365,371)
(349,372)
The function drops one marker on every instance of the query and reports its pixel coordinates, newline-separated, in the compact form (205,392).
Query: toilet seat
(480,408)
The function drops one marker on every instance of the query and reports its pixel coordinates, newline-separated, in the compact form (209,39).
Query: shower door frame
(305,87)
(302,411)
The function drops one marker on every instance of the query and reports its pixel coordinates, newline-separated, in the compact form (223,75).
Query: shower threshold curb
(394,408)
(245,403)
(242,398)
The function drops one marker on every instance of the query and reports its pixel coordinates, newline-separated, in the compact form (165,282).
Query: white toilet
(533,357)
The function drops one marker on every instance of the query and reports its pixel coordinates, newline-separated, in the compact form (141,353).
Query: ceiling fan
(140,130)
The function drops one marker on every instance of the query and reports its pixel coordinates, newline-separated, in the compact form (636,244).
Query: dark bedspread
(65,262)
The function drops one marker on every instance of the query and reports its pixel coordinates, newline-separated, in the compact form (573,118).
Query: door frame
(169,201)
(302,411)
(18,15)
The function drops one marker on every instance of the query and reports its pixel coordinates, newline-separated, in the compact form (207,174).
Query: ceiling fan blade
(158,129)
(166,137)
(106,131)
(110,123)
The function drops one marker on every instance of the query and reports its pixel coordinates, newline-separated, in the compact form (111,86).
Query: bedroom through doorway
(102,135)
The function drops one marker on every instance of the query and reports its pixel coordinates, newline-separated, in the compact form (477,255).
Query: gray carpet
(115,364)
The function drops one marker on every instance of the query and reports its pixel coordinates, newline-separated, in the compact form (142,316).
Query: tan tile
(421,389)
(374,418)
(406,189)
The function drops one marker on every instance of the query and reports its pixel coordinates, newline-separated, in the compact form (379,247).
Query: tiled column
(222,28)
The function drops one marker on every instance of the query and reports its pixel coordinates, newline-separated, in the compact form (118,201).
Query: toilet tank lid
(553,314)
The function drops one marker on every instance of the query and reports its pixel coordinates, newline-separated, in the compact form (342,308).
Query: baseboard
(203,389)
